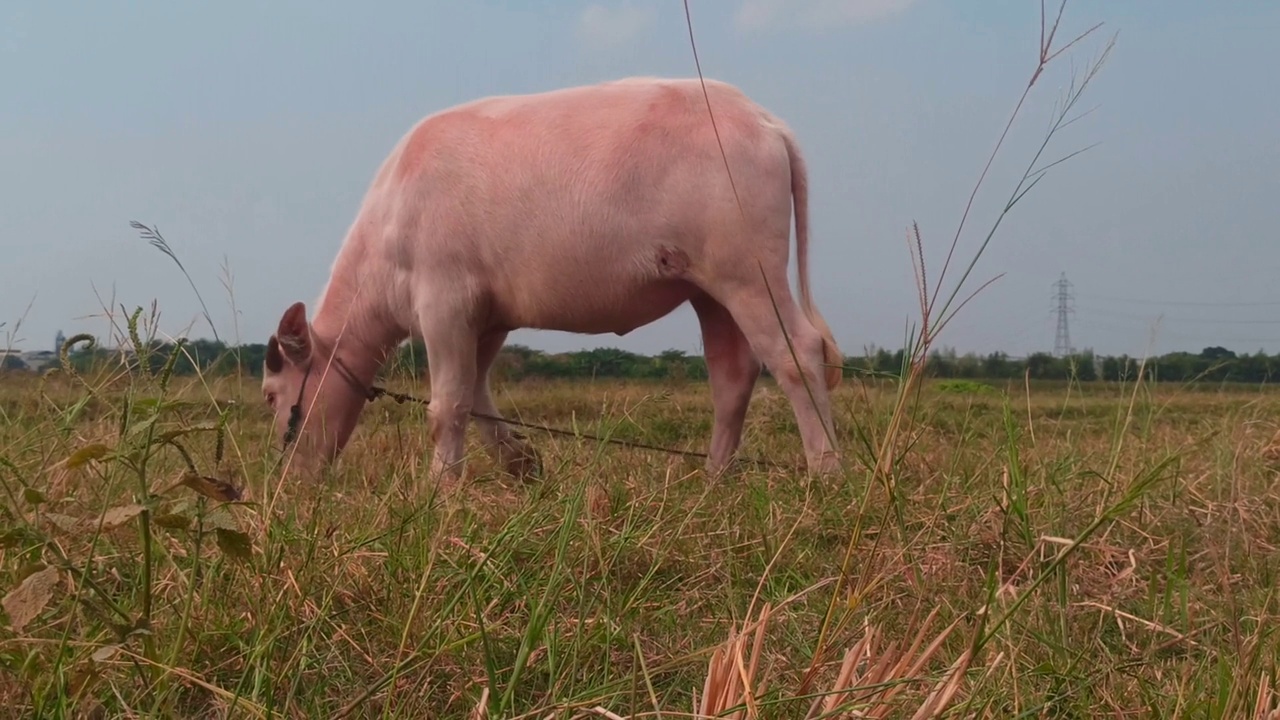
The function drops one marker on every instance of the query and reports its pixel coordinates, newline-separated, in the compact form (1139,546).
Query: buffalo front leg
(507,447)
(732,369)
(451,363)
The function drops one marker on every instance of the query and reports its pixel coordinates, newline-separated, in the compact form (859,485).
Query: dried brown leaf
(211,487)
(25,602)
(84,676)
(65,523)
(117,516)
(220,517)
(105,653)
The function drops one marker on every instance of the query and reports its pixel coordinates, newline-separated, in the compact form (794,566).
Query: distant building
(40,360)
(12,360)
(37,361)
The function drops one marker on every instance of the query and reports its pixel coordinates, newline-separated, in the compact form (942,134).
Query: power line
(1172,333)
(1089,309)
(1189,303)
(1062,339)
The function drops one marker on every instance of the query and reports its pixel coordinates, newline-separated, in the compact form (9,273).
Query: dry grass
(1121,563)
(1035,552)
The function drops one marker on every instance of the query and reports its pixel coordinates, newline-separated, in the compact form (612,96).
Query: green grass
(610,582)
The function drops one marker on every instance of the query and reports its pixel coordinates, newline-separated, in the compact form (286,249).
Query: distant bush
(519,362)
(964,387)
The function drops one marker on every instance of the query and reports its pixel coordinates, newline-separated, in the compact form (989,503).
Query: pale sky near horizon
(248,132)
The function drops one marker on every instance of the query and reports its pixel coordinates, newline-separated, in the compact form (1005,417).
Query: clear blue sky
(248,132)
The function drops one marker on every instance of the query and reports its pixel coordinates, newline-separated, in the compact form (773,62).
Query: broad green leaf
(19,537)
(96,451)
(173,521)
(235,544)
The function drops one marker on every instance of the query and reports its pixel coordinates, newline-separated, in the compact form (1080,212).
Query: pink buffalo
(594,209)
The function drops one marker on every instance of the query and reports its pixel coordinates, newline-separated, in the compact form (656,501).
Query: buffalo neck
(352,319)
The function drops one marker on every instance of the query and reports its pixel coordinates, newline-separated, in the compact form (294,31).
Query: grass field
(990,551)
(1096,551)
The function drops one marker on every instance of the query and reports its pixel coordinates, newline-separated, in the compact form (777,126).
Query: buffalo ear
(294,334)
(275,360)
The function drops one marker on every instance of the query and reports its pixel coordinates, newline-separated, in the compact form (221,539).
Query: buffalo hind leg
(510,449)
(732,370)
(805,386)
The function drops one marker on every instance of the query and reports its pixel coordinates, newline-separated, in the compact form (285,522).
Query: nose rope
(295,411)
(373,392)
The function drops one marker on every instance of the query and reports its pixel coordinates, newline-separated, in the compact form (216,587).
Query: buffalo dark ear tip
(294,319)
(294,334)
(275,359)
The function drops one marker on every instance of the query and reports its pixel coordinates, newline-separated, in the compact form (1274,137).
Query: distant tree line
(516,362)
(1212,364)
